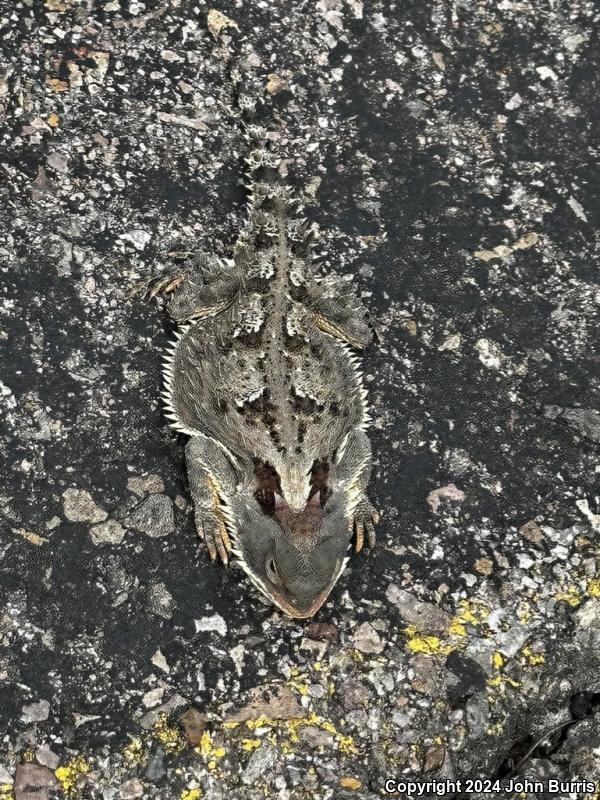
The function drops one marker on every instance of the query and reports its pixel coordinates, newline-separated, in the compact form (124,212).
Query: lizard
(263,378)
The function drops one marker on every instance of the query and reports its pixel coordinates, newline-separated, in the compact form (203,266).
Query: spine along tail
(264,158)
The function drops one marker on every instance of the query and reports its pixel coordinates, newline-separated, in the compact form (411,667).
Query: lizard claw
(212,530)
(366,517)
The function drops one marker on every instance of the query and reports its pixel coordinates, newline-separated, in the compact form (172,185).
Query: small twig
(534,747)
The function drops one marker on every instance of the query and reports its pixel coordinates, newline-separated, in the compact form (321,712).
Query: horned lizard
(264,380)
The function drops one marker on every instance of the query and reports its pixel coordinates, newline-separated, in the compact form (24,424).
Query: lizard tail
(266,164)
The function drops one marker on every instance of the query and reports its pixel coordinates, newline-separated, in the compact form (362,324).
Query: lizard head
(294,558)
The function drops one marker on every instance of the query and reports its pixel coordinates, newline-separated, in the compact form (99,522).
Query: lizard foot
(152,287)
(212,530)
(164,285)
(366,517)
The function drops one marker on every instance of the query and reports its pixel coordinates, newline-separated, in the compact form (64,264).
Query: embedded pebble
(131,789)
(145,484)
(36,712)
(260,763)
(449,492)
(426,616)
(160,601)
(366,639)
(34,782)
(194,723)
(154,516)
(275,701)
(79,506)
(109,532)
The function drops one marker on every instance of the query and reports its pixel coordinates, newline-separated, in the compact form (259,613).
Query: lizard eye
(272,573)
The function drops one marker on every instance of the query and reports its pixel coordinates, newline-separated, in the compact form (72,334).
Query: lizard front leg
(338,312)
(351,473)
(212,480)
(204,288)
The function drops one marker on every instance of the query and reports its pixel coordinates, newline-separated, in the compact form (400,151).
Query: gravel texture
(446,151)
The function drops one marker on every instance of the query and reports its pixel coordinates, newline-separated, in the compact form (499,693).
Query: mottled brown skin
(263,379)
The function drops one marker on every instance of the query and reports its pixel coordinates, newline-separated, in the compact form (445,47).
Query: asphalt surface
(446,153)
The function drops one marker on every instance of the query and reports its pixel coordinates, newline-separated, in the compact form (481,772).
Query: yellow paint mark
(456,628)
(350,783)
(327,726)
(497,660)
(345,743)
(469,612)
(52,119)
(69,774)
(205,744)
(298,686)
(420,643)
(250,744)
(593,588)
(133,752)
(191,794)
(6,792)
(286,748)
(495,729)
(207,749)
(298,681)
(280,733)
(570,595)
(261,722)
(230,725)
(532,658)
(290,727)
(168,735)
(472,612)
(501,681)
(524,612)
